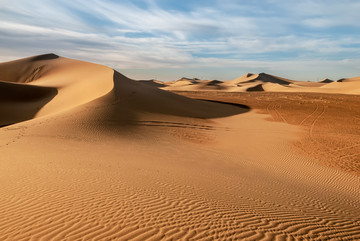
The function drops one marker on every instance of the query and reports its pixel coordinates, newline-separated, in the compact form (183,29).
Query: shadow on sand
(150,99)
(21,102)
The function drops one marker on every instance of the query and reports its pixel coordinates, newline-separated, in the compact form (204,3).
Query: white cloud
(123,35)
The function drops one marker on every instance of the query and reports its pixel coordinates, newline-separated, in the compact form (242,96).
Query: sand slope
(266,82)
(344,86)
(154,83)
(108,158)
(20,102)
(26,70)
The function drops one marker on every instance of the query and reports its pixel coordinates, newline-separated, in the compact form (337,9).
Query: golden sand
(88,154)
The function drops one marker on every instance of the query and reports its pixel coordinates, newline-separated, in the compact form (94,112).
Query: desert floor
(88,154)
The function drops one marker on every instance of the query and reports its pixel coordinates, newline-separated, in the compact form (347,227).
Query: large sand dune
(89,154)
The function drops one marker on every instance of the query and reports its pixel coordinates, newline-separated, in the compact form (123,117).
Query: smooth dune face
(103,157)
(26,70)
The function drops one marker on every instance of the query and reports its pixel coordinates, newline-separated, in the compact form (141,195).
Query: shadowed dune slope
(256,88)
(51,84)
(109,158)
(326,80)
(268,83)
(329,121)
(355,79)
(195,84)
(147,98)
(19,102)
(76,82)
(154,83)
(263,77)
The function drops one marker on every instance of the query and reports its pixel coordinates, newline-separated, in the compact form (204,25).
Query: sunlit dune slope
(48,84)
(89,154)
(265,82)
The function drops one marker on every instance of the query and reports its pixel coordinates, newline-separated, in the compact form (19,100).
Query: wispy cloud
(160,34)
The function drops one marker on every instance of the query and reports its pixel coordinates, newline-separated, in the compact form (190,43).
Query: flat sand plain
(88,154)
(329,122)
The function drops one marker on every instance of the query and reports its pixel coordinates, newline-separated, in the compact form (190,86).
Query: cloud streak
(158,34)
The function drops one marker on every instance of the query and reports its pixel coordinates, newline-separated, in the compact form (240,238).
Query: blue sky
(214,39)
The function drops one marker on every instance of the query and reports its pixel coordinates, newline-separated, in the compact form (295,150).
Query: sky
(206,39)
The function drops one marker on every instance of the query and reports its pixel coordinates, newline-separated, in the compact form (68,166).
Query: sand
(88,154)
(266,82)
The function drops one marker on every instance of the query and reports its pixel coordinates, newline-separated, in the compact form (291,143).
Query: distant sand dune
(355,79)
(264,78)
(272,83)
(326,80)
(258,87)
(93,155)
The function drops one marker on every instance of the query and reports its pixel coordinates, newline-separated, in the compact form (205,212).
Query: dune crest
(355,79)
(326,80)
(72,83)
(263,77)
(26,70)
(93,155)
(266,82)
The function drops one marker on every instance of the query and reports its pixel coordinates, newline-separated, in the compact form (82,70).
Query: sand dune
(326,80)
(258,87)
(247,82)
(20,102)
(194,84)
(263,77)
(267,82)
(154,83)
(355,79)
(78,82)
(346,87)
(25,70)
(98,156)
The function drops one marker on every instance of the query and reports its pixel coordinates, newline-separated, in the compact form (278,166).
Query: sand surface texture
(88,154)
(262,82)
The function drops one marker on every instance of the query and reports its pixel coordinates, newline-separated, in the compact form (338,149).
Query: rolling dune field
(89,154)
